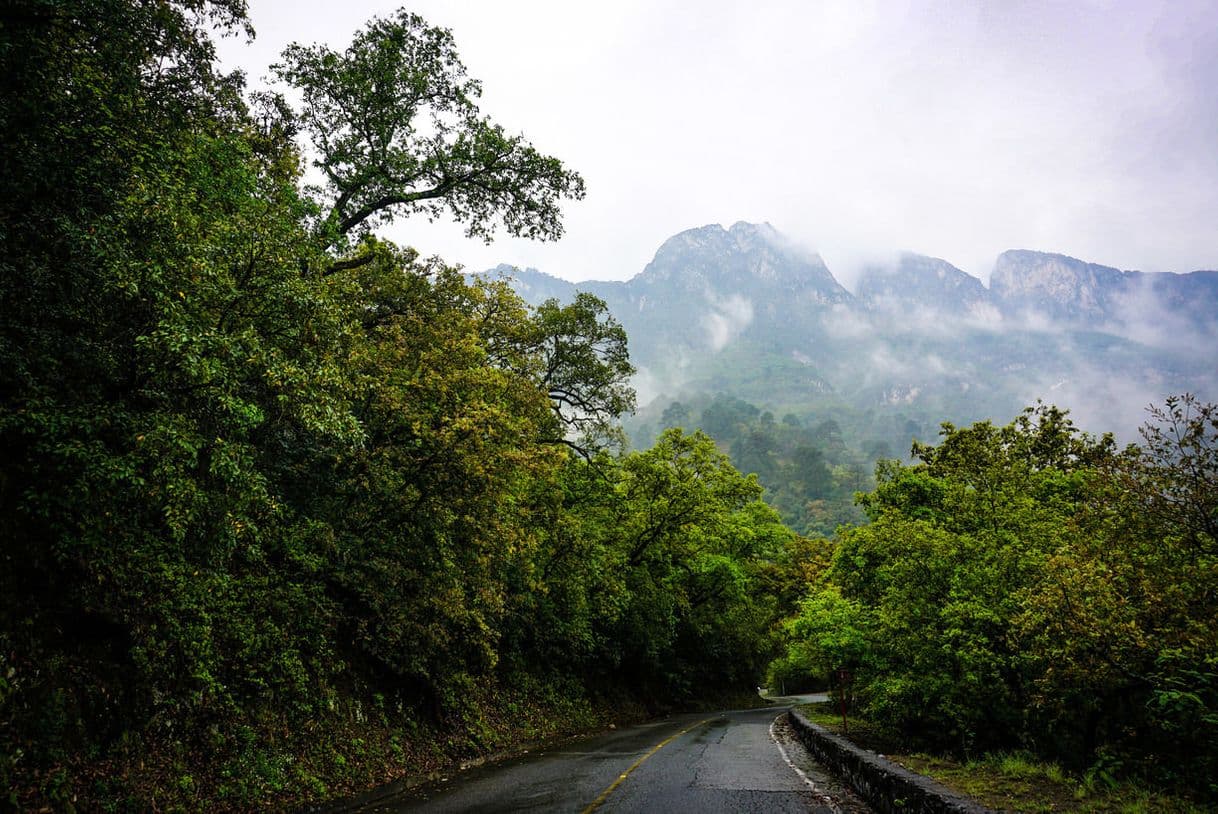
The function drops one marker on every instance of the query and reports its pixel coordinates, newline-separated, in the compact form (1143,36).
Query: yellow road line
(604,795)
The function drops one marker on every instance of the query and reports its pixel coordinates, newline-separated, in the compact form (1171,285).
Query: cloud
(845,323)
(1142,314)
(727,320)
(1099,401)
(648,386)
(665,378)
(893,317)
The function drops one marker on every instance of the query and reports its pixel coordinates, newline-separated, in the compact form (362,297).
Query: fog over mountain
(746,311)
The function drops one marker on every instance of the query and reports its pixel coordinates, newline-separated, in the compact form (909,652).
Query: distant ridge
(917,281)
(746,311)
(754,258)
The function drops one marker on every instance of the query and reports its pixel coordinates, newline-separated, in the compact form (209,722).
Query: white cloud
(648,386)
(1143,316)
(727,320)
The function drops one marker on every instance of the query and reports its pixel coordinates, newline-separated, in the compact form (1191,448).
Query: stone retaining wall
(887,787)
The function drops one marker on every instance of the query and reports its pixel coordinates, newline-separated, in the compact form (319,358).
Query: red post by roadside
(843,680)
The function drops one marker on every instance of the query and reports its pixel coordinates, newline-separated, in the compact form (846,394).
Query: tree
(954,545)
(755,451)
(877,449)
(828,435)
(395,125)
(692,535)
(157,344)
(584,367)
(199,442)
(426,513)
(723,417)
(675,414)
(809,469)
(1121,629)
(249,509)
(1031,585)
(1175,476)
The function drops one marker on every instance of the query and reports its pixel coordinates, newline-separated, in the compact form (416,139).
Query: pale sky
(955,129)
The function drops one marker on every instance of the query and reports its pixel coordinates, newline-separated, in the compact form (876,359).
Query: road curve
(742,760)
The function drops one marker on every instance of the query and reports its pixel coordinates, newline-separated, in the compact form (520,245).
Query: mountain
(748,259)
(746,312)
(1056,286)
(923,283)
(533,286)
(1070,290)
(706,288)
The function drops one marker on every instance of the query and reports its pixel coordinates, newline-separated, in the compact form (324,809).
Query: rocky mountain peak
(745,308)
(747,259)
(915,281)
(755,235)
(1055,285)
(533,285)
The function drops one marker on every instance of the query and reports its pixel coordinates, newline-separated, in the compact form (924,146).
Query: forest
(285,505)
(808,468)
(288,510)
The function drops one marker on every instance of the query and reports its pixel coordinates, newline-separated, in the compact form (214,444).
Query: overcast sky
(957,129)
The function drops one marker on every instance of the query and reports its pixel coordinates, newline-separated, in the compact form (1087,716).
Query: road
(732,761)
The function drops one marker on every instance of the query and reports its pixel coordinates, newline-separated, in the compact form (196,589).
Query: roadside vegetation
(1031,589)
(286,509)
(1009,781)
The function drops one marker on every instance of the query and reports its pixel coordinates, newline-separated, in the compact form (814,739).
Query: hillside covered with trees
(811,467)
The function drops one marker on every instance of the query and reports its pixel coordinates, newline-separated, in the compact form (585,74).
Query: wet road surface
(735,761)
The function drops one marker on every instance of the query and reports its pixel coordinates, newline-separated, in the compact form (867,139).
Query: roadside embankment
(887,787)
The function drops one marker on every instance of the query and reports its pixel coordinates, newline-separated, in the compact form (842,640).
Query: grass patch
(859,731)
(1011,781)
(1019,782)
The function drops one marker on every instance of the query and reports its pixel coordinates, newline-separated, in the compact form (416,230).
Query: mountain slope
(916,282)
(746,312)
(1087,294)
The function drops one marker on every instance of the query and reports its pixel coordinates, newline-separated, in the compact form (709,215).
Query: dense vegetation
(1028,586)
(277,495)
(811,468)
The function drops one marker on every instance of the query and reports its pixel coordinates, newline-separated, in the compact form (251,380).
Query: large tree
(180,406)
(395,129)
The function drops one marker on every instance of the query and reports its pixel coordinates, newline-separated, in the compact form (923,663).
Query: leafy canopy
(395,126)
(1031,586)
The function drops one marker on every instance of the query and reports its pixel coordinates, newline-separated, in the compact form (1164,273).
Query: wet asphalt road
(734,761)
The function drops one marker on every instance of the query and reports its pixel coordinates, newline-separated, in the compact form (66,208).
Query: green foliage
(583,367)
(1175,477)
(273,489)
(809,475)
(651,571)
(829,633)
(1029,585)
(395,124)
